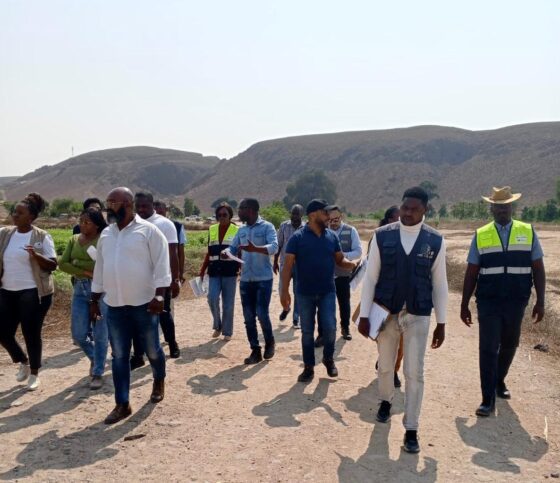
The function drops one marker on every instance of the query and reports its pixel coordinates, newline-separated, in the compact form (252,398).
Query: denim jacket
(257,267)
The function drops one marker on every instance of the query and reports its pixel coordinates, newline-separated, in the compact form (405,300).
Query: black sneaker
(136,362)
(284,314)
(397,381)
(411,442)
(307,374)
(485,409)
(332,371)
(346,334)
(174,351)
(255,357)
(295,324)
(502,391)
(319,341)
(384,412)
(269,350)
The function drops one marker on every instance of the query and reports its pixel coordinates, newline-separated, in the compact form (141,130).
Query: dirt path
(222,421)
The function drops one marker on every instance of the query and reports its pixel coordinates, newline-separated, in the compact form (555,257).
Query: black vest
(406,280)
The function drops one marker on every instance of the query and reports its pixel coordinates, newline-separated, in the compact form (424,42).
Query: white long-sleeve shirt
(131,263)
(408,235)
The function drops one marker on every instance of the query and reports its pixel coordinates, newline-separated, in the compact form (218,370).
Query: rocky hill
(164,172)
(372,168)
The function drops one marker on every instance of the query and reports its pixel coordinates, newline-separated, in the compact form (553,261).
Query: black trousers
(342,285)
(499,325)
(165,321)
(23,306)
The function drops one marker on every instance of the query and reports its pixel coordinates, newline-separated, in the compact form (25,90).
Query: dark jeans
(499,331)
(167,326)
(23,306)
(343,298)
(324,306)
(255,300)
(126,323)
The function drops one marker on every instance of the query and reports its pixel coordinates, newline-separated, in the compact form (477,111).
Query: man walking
(406,274)
(132,269)
(285,232)
(256,240)
(504,260)
(161,209)
(352,249)
(144,206)
(315,250)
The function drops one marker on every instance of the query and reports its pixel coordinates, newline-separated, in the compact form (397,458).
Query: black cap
(315,205)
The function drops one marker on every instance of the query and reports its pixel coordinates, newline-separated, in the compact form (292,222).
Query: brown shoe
(158,391)
(120,412)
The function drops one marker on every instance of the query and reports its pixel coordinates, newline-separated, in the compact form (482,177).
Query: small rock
(541,347)
(555,475)
(132,437)
(16,404)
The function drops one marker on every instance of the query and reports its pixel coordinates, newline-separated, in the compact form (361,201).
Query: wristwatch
(159,298)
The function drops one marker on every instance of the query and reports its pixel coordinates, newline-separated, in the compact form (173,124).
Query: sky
(216,77)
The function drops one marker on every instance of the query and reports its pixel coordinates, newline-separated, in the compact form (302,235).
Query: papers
(358,275)
(377,317)
(198,287)
(92,252)
(228,254)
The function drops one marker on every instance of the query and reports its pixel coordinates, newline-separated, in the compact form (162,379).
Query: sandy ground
(223,421)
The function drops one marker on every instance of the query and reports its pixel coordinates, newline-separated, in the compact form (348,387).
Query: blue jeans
(325,306)
(255,299)
(125,323)
(96,349)
(295,313)
(227,286)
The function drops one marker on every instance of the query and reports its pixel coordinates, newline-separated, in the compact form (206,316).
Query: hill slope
(372,168)
(164,172)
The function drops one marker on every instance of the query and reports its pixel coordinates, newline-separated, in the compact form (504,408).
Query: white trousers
(415,330)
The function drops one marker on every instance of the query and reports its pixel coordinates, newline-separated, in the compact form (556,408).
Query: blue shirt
(314,260)
(503,231)
(257,266)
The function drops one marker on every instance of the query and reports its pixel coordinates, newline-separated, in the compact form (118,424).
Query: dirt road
(223,421)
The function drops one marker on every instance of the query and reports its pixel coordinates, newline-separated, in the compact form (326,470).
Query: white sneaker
(23,372)
(33,383)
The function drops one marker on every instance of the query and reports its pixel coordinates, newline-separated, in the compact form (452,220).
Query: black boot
(269,350)
(307,374)
(255,357)
(174,351)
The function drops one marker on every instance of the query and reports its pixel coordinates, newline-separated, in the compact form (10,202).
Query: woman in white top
(27,260)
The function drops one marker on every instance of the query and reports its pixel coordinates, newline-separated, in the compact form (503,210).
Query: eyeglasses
(113,203)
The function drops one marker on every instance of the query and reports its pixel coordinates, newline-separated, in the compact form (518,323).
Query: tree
(65,206)
(175,211)
(308,186)
(275,213)
(190,208)
(227,199)
(442,212)
(431,189)
(550,212)
(558,190)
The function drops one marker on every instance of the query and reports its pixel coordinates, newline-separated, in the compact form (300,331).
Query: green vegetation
(190,208)
(308,186)
(221,199)
(275,213)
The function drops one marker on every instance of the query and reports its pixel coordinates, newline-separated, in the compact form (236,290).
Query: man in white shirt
(144,207)
(406,274)
(132,269)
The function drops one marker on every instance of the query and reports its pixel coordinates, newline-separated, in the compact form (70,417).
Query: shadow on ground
(229,380)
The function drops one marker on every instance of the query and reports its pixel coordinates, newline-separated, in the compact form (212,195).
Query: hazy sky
(216,77)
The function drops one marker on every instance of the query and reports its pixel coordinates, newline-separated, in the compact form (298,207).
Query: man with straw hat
(504,261)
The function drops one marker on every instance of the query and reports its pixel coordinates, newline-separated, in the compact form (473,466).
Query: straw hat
(502,196)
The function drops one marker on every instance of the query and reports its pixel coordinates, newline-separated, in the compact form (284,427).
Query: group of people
(128,267)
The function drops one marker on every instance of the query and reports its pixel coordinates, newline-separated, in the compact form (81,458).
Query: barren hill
(164,172)
(372,168)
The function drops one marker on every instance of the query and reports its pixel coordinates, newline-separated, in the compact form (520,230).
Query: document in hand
(377,317)
(228,254)
(92,252)
(198,287)
(358,275)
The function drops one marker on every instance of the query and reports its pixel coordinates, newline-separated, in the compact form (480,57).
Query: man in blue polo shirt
(315,250)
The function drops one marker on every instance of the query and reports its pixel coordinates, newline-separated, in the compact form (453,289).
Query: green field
(195,250)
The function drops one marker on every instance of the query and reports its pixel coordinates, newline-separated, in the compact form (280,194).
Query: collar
(503,227)
(258,222)
(135,220)
(152,217)
(411,229)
